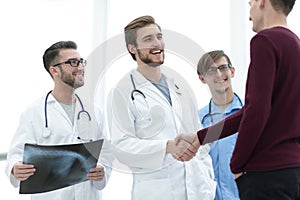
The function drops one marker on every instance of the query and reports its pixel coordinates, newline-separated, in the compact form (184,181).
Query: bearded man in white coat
(52,120)
(147,109)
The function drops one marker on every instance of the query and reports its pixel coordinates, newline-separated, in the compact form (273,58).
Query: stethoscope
(135,90)
(78,115)
(150,121)
(143,113)
(210,114)
(140,92)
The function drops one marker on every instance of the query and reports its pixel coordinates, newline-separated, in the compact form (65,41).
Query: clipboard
(58,166)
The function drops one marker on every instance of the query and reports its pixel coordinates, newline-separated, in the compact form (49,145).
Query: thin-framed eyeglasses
(222,68)
(73,62)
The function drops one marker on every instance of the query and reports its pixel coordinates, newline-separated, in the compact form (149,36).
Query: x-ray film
(59,166)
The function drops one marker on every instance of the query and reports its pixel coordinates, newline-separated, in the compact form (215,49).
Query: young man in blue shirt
(215,69)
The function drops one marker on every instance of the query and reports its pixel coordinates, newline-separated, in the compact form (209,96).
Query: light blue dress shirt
(221,150)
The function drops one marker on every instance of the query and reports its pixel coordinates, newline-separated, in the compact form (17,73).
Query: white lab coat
(140,141)
(32,130)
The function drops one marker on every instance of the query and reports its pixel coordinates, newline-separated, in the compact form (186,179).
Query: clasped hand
(184,147)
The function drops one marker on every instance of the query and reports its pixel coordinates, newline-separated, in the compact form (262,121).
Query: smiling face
(65,74)
(150,46)
(220,81)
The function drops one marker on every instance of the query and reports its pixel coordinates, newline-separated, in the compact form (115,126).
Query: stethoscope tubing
(78,115)
(135,90)
(210,109)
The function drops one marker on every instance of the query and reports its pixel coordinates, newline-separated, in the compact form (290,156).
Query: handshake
(184,147)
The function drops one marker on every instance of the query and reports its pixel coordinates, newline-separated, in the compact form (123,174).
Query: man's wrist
(196,141)
(169,146)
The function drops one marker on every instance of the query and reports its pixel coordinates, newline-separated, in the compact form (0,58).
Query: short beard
(148,61)
(69,79)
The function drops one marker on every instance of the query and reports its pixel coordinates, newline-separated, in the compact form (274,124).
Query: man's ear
(232,69)
(201,78)
(53,70)
(262,3)
(131,48)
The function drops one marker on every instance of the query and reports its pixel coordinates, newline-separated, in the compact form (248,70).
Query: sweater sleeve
(220,130)
(259,88)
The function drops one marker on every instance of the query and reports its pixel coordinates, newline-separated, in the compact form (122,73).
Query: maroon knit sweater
(268,125)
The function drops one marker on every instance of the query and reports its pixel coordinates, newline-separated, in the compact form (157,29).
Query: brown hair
(131,28)
(284,6)
(208,60)
(51,55)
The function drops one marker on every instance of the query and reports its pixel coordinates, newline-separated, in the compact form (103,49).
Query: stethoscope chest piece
(46,133)
(84,126)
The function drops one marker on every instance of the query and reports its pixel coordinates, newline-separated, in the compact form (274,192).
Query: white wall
(28,27)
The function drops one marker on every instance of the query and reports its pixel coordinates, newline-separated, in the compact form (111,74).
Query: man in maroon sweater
(266,158)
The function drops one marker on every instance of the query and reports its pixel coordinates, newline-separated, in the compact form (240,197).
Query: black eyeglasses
(73,62)
(222,68)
